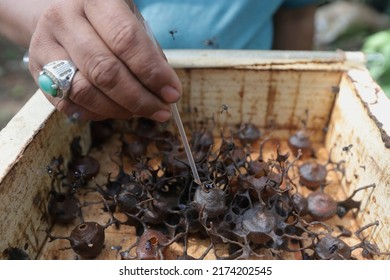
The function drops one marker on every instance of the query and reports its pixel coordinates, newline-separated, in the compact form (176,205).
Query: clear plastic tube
(177,118)
(187,149)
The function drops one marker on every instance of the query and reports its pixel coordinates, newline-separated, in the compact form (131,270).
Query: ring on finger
(56,77)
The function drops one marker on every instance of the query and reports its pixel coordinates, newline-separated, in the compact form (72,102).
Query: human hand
(120,74)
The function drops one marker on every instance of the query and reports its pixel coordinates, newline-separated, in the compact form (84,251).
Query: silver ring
(56,77)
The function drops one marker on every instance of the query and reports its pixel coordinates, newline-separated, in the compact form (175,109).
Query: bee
(347,149)
(224,108)
(212,42)
(173,32)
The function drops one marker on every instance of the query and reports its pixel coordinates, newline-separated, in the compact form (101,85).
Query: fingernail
(161,116)
(170,94)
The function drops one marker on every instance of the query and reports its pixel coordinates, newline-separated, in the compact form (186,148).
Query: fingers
(126,37)
(109,74)
(110,82)
(85,100)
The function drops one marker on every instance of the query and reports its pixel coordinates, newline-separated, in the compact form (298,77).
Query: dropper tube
(175,113)
(187,149)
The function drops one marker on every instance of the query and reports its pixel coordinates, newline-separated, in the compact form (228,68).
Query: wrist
(18,22)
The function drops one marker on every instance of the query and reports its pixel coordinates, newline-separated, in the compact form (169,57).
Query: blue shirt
(200,24)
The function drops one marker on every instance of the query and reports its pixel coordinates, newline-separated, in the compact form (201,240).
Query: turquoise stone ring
(56,77)
(47,85)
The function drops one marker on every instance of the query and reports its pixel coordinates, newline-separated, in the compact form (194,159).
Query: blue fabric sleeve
(205,24)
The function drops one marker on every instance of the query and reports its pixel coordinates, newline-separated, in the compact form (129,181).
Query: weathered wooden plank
(361,118)
(30,140)
(272,99)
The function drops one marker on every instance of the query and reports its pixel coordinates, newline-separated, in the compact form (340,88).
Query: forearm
(294,28)
(18,19)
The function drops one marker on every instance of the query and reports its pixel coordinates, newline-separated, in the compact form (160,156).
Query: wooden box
(344,109)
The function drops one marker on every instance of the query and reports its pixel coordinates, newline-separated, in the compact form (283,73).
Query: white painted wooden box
(271,89)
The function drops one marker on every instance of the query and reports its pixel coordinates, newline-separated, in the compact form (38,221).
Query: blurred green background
(16,83)
(358,25)
(350,25)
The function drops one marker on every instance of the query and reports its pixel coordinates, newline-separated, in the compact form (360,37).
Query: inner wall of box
(367,161)
(277,101)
